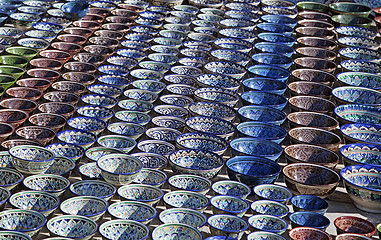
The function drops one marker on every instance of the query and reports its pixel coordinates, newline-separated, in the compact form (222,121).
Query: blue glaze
(309,219)
(309,203)
(260,130)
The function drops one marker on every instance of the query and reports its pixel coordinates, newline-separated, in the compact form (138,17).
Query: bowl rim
(345,147)
(121,221)
(31,212)
(268,201)
(187,211)
(71,145)
(79,131)
(338,219)
(273,186)
(253,159)
(189,193)
(177,225)
(276,236)
(203,152)
(248,190)
(189,176)
(229,216)
(310,228)
(294,198)
(316,114)
(359,125)
(274,145)
(98,120)
(337,157)
(247,205)
(266,125)
(344,174)
(134,203)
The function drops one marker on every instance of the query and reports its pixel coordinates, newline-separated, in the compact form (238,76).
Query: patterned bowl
(351,236)
(267,207)
(226,68)
(42,202)
(151,177)
(132,210)
(359,53)
(95,153)
(186,199)
(357,95)
(361,132)
(89,124)
(61,166)
(309,203)
(269,71)
(360,79)
(316,53)
(360,153)
(317,42)
(41,135)
(218,95)
(201,141)
(234,44)
(78,227)
(142,95)
(315,136)
(274,28)
(305,233)
(212,109)
(163,134)
(267,47)
(90,171)
(310,89)
(356,113)
(231,55)
(309,219)
(315,63)
(10,178)
(360,66)
(87,206)
(277,38)
(93,188)
(63,109)
(114,80)
(312,75)
(176,100)
(171,110)
(99,100)
(77,137)
(261,114)
(19,104)
(184,216)
(264,235)
(210,125)
(49,183)
(99,112)
(272,59)
(142,193)
(231,188)
(252,171)
(312,119)
(311,104)
(227,225)
(131,130)
(351,224)
(151,160)
(229,205)
(24,221)
(4,196)
(13,117)
(189,183)
(108,90)
(261,130)
(14,235)
(279,19)
(354,31)
(169,122)
(156,146)
(258,147)
(217,80)
(268,223)
(321,187)
(67,150)
(272,192)
(24,21)
(150,85)
(118,229)
(176,229)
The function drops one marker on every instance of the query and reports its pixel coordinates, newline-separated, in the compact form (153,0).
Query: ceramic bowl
(361,132)
(151,177)
(24,21)
(38,134)
(38,83)
(351,236)
(99,100)
(324,186)
(131,130)
(218,95)
(358,42)
(79,77)
(260,130)
(350,8)
(272,192)
(360,153)
(135,105)
(175,100)
(203,163)
(190,183)
(227,225)
(93,188)
(87,206)
(19,104)
(49,183)
(122,143)
(8,144)
(22,51)
(90,171)
(6,80)
(169,122)
(11,178)
(268,223)
(359,53)
(186,199)
(95,153)
(316,52)
(212,109)
(42,202)
(317,42)
(304,233)
(272,208)
(312,75)
(261,114)
(356,113)
(277,38)
(309,203)
(171,110)
(201,141)
(11,221)
(78,137)
(311,104)
(99,112)
(132,210)
(24,92)
(93,125)
(263,234)
(4,197)
(115,229)
(107,90)
(267,47)
(350,224)
(67,86)
(151,160)
(31,159)
(357,95)
(309,219)
(269,71)
(68,150)
(315,136)
(353,31)
(175,229)
(80,227)
(141,193)
(307,88)
(61,166)
(351,20)
(252,171)
(15,235)
(315,63)
(272,59)
(13,117)
(248,146)
(226,68)
(163,134)
(114,80)
(142,95)
(274,28)
(229,205)
(231,188)
(184,216)
(217,80)
(359,79)
(234,44)
(156,146)
(45,73)
(312,119)
(314,32)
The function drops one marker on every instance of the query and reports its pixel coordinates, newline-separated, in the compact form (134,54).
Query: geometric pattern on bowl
(133,210)
(358,113)
(183,215)
(361,153)
(362,132)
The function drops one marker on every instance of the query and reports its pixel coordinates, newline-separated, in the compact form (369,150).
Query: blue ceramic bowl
(218,95)
(99,100)
(99,112)
(274,28)
(276,48)
(151,177)
(169,122)
(10,178)
(90,171)
(103,89)
(151,160)
(171,110)
(24,21)
(49,183)
(80,138)
(5,159)
(309,203)
(146,74)
(238,23)
(176,100)
(87,206)
(212,109)
(272,59)
(267,207)
(121,143)
(163,134)
(61,166)
(234,44)
(202,141)
(24,221)
(166,58)
(309,219)
(264,235)
(358,113)
(133,117)
(93,188)
(186,199)
(117,81)
(268,223)
(113,69)
(357,95)
(156,146)
(48,26)
(242,15)
(89,124)
(360,153)
(118,229)
(80,227)
(141,193)
(259,130)
(210,125)
(75,10)
(13,234)
(142,95)
(191,183)
(150,85)
(269,71)
(138,36)
(277,38)
(280,19)
(181,89)
(227,225)
(179,79)
(4,196)
(42,202)
(231,56)
(355,31)
(359,42)
(197,162)
(360,79)
(184,216)
(362,133)
(135,105)
(272,192)
(358,53)
(252,171)
(186,70)
(360,66)
(275,10)
(261,114)
(226,68)
(264,85)
(218,80)
(119,169)
(141,45)
(131,130)
(132,210)
(176,229)
(231,188)
(256,147)
(229,205)
(155,66)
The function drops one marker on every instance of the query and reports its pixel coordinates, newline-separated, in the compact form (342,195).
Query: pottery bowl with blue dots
(61,166)
(309,219)
(256,147)
(276,48)
(151,177)
(132,210)
(231,188)
(261,130)
(107,90)
(261,114)
(269,71)
(93,188)
(361,132)
(272,59)
(183,215)
(24,221)
(268,223)
(49,183)
(264,99)
(5,159)
(176,229)
(135,105)
(68,150)
(191,183)
(10,178)
(11,32)
(360,79)
(277,38)
(87,206)
(78,227)
(202,141)
(77,137)
(150,195)
(361,153)
(264,85)
(252,171)
(186,199)
(131,130)
(266,207)
(39,201)
(309,203)
(229,205)
(227,225)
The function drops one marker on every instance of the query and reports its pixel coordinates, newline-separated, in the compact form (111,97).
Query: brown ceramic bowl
(309,89)
(308,233)
(93,17)
(44,73)
(316,42)
(99,50)
(312,75)
(87,24)
(351,224)
(18,142)
(316,23)
(46,63)
(315,63)
(24,92)
(310,179)
(63,109)
(89,58)
(79,31)
(103,41)
(314,32)
(311,154)
(312,119)
(315,136)
(100,11)
(108,34)
(41,135)
(80,67)
(13,117)
(67,86)
(70,48)
(351,236)
(312,104)
(125,13)
(130,7)
(123,28)
(316,53)
(80,77)
(19,104)
(71,38)
(5,131)
(315,16)
(64,97)
(120,19)
(48,120)
(377,11)
(56,54)
(38,83)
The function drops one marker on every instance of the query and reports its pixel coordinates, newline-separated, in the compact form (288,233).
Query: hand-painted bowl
(353,31)
(184,216)
(210,125)
(311,104)
(272,208)
(41,135)
(361,153)
(151,160)
(272,59)
(357,95)
(360,79)
(108,90)
(263,235)
(99,112)
(186,199)
(261,114)
(49,183)
(361,132)
(268,223)
(305,233)
(260,130)
(258,147)
(201,141)
(351,224)
(93,125)
(309,219)
(227,225)
(77,227)
(94,188)
(10,178)
(312,119)
(117,229)
(269,71)
(231,188)
(176,229)
(190,183)
(315,136)
(350,8)
(229,205)
(24,221)
(267,47)
(78,137)
(68,150)
(142,193)
(272,192)
(87,206)
(42,202)
(307,88)
(151,177)
(309,203)
(132,210)
(351,236)
(4,197)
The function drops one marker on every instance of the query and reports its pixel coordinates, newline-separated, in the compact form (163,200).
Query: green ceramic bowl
(6,81)
(29,53)
(350,8)
(15,72)
(13,60)
(312,6)
(351,20)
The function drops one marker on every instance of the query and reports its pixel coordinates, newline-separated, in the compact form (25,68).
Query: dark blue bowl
(264,85)
(252,171)
(309,203)
(361,153)
(309,219)
(259,130)
(264,99)
(272,59)
(277,38)
(361,66)
(269,71)
(261,114)
(255,147)
(277,48)
(280,19)
(75,9)
(274,28)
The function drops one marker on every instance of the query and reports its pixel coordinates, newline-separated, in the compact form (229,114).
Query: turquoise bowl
(360,79)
